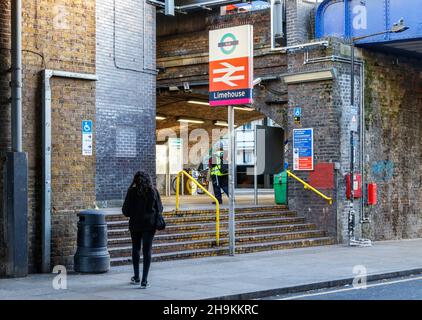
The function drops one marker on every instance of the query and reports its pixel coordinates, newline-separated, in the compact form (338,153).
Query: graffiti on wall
(383,170)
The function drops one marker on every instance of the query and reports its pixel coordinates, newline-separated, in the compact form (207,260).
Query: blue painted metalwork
(356,18)
(347,26)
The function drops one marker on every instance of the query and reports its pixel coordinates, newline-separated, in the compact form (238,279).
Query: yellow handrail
(308,186)
(217,204)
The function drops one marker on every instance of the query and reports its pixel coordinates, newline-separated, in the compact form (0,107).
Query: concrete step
(225,217)
(118,233)
(218,251)
(191,233)
(123,236)
(118,216)
(282,245)
(208,226)
(210,218)
(165,247)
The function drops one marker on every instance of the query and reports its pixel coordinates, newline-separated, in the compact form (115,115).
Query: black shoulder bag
(160,223)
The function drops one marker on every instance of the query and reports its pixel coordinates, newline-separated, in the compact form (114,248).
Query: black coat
(142,211)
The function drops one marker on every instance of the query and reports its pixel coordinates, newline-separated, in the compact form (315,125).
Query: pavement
(246,276)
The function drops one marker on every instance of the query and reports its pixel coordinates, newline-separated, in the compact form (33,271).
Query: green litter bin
(280,188)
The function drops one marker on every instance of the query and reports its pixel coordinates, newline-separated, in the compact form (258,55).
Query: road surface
(409,288)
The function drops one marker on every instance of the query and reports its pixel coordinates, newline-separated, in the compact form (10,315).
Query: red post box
(372,194)
(357,186)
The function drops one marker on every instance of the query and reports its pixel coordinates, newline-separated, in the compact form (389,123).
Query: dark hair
(142,182)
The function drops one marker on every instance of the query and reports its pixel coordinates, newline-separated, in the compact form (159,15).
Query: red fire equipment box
(372,194)
(357,186)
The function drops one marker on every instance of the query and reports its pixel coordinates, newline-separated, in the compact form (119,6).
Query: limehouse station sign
(231,66)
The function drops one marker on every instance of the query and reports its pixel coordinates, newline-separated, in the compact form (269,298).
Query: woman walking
(142,205)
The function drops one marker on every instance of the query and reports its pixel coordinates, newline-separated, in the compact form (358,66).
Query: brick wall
(341,97)
(393,107)
(326,108)
(320,112)
(393,155)
(192,46)
(4,113)
(300,17)
(60,36)
(4,74)
(125,96)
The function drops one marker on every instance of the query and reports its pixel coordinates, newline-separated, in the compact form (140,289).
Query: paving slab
(241,276)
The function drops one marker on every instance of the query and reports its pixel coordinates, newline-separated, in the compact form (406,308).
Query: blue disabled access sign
(87,126)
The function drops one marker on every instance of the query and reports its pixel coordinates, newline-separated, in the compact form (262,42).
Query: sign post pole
(231,83)
(255,168)
(232,166)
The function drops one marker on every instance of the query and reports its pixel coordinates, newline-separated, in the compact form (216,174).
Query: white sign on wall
(87,139)
(175,153)
(162,159)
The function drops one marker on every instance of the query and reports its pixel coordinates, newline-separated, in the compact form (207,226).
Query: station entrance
(189,131)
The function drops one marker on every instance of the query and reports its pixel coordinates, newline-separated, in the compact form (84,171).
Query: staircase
(191,234)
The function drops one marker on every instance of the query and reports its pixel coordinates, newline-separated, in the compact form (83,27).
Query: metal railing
(309,187)
(217,204)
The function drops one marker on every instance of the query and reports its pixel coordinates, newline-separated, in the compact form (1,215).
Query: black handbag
(160,224)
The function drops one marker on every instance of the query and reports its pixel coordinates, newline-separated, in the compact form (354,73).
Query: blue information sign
(303,149)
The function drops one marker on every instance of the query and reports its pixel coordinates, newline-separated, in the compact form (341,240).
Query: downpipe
(16,84)
(15,173)
(47,75)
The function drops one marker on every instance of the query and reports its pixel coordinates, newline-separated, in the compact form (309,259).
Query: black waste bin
(92,255)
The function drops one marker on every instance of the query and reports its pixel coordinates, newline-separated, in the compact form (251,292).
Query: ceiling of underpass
(173,106)
(412,48)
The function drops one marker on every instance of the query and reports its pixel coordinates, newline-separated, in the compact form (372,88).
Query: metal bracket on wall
(324,44)
(47,153)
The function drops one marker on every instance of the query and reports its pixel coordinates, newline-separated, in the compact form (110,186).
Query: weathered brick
(125,96)
(59,36)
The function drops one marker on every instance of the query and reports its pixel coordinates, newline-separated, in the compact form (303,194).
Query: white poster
(175,153)
(162,159)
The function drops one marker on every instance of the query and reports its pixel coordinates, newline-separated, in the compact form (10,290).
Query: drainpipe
(16,83)
(15,189)
(47,153)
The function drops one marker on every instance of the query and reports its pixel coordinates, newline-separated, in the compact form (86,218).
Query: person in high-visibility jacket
(219,174)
